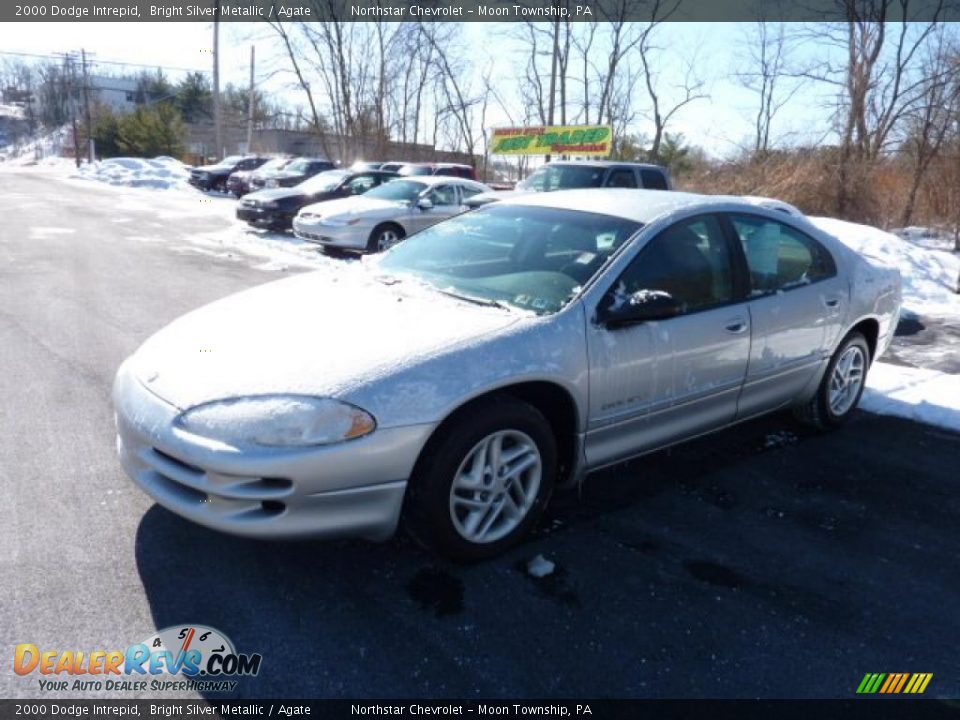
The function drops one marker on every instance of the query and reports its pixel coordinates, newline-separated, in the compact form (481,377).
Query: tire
(840,390)
(452,489)
(384,237)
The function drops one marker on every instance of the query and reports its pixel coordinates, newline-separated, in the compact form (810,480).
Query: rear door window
(653,179)
(780,257)
(622,178)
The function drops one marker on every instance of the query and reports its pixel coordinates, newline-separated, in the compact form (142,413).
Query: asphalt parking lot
(761,562)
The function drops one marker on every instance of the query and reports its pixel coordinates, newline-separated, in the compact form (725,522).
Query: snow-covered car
(296,171)
(238,183)
(490,358)
(384,216)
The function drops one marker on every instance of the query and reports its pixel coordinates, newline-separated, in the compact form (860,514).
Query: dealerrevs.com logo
(184,657)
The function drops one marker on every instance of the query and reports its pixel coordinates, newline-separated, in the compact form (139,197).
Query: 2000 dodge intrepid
(491,357)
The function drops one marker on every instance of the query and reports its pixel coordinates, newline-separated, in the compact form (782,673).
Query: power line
(107,62)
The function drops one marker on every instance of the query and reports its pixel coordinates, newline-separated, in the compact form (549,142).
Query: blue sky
(719,124)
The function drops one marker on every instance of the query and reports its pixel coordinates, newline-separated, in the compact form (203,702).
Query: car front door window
(690,261)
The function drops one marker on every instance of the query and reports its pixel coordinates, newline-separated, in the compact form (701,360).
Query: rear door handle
(736,327)
(831,302)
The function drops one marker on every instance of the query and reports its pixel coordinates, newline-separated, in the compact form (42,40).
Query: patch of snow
(926,396)
(42,232)
(929,276)
(540,567)
(927,237)
(160,173)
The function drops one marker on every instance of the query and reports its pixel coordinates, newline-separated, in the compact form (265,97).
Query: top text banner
(449,10)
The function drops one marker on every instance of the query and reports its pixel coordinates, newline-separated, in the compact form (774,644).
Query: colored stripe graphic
(894,683)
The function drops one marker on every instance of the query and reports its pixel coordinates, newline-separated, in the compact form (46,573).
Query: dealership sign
(553,139)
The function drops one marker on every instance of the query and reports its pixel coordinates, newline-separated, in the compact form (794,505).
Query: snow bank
(929,276)
(44,147)
(926,396)
(160,173)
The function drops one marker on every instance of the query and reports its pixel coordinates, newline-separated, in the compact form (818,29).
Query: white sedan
(382,217)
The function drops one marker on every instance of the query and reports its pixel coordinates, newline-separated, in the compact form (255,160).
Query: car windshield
(403,190)
(323,182)
(298,166)
(532,258)
(414,170)
(562,177)
(275,164)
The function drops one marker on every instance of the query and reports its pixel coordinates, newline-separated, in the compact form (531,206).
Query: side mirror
(641,306)
(425,203)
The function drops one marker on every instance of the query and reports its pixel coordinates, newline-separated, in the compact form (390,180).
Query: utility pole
(86,102)
(250,101)
(553,73)
(217,122)
(68,83)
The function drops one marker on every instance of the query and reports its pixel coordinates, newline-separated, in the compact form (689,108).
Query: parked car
(384,216)
(453,169)
(275,208)
(361,165)
(392,166)
(238,184)
(214,177)
(492,358)
(576,174)
(297,171)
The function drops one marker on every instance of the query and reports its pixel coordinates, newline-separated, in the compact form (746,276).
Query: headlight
(338,222)
(277,421)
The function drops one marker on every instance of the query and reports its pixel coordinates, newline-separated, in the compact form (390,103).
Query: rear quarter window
(653,179)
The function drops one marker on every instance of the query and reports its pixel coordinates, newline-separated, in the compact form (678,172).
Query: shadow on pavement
(762,561)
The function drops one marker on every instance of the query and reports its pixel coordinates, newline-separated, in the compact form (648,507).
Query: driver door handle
(736,327)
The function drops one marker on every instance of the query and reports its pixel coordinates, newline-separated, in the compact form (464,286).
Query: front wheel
(384,237)
(482,485)
(841,387)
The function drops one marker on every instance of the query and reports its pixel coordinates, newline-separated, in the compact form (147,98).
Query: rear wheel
(482,485)
(841,387)
(384,237)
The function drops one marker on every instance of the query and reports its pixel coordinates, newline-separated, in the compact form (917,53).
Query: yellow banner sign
(553,140)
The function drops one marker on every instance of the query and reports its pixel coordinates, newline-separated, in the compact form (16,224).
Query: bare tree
(937,112)
(766,76)
(691,88)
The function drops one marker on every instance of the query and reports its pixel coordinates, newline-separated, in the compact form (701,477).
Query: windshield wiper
(486,302)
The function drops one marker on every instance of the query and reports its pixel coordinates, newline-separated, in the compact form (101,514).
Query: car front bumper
(264,217)
(352,237)
(350,489)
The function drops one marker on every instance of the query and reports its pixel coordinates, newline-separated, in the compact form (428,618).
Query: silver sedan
(382,217)
(462,376)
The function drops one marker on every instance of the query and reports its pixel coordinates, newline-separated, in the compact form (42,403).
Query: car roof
(441,180)
(641,206)
(605,163)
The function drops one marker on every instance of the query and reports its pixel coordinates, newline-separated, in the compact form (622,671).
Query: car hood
(354,206)
(317,334)
(273,194)
(213,168)
(285,176)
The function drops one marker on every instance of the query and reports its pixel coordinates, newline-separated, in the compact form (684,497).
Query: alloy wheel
(846,380)
(495,486)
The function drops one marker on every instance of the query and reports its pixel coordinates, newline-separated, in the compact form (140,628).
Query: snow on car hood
(317,334)
(353,206)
